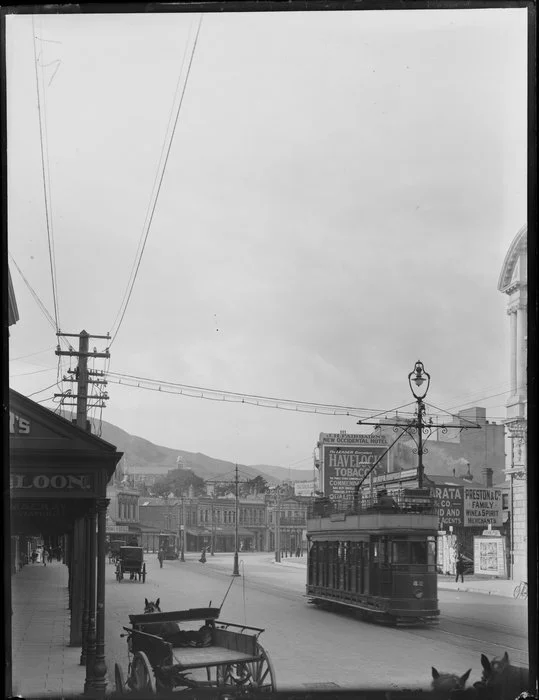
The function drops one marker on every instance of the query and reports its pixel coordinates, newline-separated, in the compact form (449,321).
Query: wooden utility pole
(82,376)
(237,482)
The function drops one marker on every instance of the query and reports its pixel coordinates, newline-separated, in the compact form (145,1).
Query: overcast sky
(340,194)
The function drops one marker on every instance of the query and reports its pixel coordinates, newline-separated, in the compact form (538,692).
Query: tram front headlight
(418,588)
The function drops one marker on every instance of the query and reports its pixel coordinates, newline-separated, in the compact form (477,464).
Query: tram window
(418,552)
(431,553)
(400,552)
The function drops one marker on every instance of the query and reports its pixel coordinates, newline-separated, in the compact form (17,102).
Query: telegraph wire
(37,371)
(235,394)
(48,206)
(160,182)
(41,390)
(32,354)
(159,162)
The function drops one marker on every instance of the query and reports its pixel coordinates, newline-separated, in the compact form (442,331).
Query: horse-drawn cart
(165,658)
(131,561)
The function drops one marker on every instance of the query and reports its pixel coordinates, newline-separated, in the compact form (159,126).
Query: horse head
(150,607)
(448,683)
(502,679)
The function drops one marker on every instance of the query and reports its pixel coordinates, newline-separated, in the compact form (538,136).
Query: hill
(145,456)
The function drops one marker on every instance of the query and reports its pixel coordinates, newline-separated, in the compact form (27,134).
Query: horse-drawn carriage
(130,561)
(164,658)
(114,550)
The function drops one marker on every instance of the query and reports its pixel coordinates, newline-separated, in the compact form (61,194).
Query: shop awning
(231,532)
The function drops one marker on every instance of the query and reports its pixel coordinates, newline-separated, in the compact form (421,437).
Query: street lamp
(236,570)
(419,377)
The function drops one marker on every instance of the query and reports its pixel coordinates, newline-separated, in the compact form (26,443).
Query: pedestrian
(298,550)
(45,555)
(161,556)
(34,556)
(202,559)
(460,569)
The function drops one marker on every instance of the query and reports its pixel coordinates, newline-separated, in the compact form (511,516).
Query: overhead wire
(236,395)
(131,284)
(46,191)
(32,354)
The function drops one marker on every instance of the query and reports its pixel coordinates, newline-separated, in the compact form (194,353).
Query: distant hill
(151,458)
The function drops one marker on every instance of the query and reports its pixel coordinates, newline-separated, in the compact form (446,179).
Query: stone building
(513,282)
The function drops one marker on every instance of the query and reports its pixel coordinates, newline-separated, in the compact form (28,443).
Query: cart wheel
(142,678)
(249,674)
(144,574)
(119,679)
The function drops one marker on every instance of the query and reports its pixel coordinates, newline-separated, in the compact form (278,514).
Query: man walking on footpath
(161,556)
(460,569)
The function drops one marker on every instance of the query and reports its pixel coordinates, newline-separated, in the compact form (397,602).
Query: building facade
(513,282)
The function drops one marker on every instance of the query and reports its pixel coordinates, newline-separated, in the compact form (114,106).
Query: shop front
(58,479)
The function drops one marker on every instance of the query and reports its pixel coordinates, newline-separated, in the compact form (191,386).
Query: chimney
(487,476)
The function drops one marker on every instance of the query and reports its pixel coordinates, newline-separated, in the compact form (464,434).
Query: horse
(502,680)
(449,684)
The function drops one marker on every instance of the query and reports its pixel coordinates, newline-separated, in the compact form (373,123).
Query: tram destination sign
(346,459)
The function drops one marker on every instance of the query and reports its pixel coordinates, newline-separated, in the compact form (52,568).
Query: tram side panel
(392,574)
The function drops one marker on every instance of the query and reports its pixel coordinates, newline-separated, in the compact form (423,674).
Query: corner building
(513,282)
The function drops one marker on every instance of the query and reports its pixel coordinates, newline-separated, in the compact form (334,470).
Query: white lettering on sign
(482,507)
(352,439)
(18,425)
(57,481)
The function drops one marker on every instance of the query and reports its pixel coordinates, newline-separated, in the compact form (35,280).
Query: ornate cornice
(517,247)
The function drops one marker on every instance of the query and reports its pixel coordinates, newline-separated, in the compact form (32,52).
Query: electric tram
(375,558)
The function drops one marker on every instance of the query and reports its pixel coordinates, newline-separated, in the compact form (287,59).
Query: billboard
(305,488)
(482,507)
(346,459)
(449,500)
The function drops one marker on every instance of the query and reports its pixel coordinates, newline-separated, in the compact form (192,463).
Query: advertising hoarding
(305,488)
(449,500)
(482,507)
(346,459)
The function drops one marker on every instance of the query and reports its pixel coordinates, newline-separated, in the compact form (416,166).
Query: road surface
(313,648)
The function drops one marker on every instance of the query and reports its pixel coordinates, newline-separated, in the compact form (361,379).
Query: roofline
(47,413)
(511,256)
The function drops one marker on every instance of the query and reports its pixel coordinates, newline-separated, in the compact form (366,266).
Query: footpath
(43,662)
(472,584)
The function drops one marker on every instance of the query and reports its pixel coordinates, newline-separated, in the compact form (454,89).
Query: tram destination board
(347,459)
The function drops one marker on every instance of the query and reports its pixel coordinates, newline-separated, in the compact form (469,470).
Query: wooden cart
(131,561)
(232,658)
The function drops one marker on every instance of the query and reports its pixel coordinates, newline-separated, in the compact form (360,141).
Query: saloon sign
(52,482)
(346,459)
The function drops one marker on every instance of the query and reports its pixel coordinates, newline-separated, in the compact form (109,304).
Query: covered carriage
(130,560)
